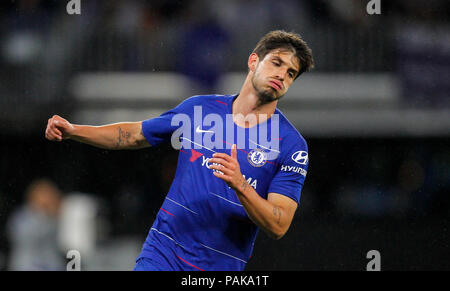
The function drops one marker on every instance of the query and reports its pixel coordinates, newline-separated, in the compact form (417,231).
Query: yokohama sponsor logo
(251,181)
(299,170)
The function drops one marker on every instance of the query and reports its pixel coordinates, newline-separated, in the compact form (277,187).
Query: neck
(248,104)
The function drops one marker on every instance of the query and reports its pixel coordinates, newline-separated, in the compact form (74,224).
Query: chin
(267,97)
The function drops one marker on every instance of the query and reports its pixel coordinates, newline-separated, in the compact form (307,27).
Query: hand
(229,166)
(58,129)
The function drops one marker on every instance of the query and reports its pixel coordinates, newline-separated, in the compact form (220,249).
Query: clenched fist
(58,129)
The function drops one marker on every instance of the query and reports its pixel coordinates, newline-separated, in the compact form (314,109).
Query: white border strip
(198,144)
(181,205)
(226,199)
(264,147)
(224,253)
(167,237)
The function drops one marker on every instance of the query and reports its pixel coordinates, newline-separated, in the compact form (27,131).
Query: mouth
(275,84)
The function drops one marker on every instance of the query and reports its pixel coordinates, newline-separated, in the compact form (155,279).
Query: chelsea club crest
(257,157)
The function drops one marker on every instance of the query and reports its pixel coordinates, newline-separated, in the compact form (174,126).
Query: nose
(281,74)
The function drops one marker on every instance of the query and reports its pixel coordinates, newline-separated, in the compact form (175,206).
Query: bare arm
(274,215)
(124,135)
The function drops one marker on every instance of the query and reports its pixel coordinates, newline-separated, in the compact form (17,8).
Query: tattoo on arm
(142,141)
(277,213)
(123,139)
(244,185)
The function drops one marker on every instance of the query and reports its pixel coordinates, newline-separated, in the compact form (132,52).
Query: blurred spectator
(78,227)
(423,64)
(203,53)
(28,26)
(349,12)
(422,38)
(25,32)
(32,230)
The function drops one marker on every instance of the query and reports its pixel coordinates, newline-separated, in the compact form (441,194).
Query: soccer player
(221,195)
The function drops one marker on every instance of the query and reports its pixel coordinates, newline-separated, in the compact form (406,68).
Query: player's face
(274,74)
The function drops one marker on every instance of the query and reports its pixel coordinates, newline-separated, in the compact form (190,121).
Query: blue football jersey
(202,225)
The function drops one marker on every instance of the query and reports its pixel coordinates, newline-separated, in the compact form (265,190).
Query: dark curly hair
(280,39)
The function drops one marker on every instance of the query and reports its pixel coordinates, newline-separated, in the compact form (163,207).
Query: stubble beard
(265,95)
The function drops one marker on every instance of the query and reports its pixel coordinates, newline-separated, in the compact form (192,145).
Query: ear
(253,60)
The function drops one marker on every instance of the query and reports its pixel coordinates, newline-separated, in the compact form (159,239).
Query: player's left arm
(274,215)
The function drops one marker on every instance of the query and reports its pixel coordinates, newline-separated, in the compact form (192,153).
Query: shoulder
(189,103)
(290,137)
(214,102)
(201,99)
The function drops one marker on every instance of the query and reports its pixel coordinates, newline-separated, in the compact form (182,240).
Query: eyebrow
(283,62)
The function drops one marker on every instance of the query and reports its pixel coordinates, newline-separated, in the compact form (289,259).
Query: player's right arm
(117,136)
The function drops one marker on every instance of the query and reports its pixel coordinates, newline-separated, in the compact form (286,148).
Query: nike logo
(198,130)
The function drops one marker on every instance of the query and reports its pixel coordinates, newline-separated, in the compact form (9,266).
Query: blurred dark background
(375,112)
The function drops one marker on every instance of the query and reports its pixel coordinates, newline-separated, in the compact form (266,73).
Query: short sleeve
(159,130)
(291,170)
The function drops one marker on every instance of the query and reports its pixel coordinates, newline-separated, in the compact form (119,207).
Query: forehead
(287,56)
